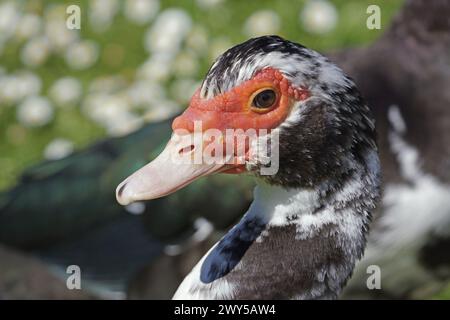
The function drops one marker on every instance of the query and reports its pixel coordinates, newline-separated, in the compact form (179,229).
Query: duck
(67,185)
(313,153)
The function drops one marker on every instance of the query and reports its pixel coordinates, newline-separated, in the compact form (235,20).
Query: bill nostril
(186,149)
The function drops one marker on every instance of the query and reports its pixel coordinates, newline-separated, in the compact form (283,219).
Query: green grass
(444,294)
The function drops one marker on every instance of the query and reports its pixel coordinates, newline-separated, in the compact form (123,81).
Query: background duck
(398,75)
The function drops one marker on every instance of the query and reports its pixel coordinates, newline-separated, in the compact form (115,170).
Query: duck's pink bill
(177,166)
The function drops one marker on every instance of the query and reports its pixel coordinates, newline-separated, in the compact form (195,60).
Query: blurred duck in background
(405,77)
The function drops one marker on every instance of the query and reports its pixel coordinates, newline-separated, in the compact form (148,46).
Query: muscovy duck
(308,222)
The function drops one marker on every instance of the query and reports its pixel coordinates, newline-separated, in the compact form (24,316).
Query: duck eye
(264,99)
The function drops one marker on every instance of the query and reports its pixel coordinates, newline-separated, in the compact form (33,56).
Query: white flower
(29,84)
(156,68)
(104,107)
(56,31)
(35,52)
(107,84)
(162,110)
(185,64)
(29,26)
(207,4)
(35,111)
(82,55)
(168,31)
(144,92)
(183,89)
(16,87)
(319,16)
(9,89)
(128,123)
(262,22)
(141,11)
(58,148)
(92,105)
(112,112)
(59,36)
(9,18)
(66,91)
(197,40)
(101,13)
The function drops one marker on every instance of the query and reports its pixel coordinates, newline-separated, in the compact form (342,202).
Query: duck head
(270,107)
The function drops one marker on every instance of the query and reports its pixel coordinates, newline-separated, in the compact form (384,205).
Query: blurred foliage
(444,294)
(122,52)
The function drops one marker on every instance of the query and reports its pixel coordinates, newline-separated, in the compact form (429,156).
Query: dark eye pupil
(264,99)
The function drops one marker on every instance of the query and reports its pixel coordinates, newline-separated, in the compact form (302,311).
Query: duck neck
(291,243)
(318,235)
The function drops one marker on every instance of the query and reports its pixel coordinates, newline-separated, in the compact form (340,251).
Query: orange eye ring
(263,109)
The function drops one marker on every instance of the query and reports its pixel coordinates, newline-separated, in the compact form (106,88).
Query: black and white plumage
(334,120)
(308,222)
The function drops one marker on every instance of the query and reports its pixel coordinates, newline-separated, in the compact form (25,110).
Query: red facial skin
(234,110)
